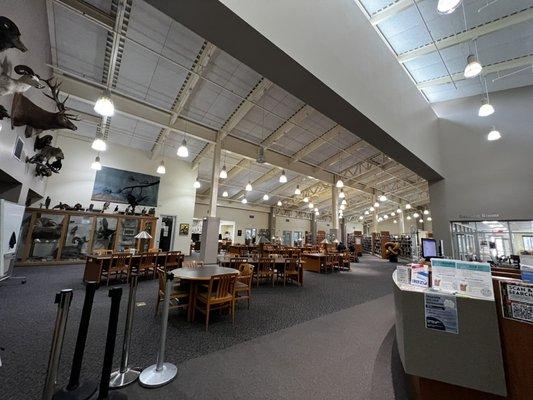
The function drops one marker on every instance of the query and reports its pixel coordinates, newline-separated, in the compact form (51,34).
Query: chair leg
(233,312)
(157,305)
(208,307)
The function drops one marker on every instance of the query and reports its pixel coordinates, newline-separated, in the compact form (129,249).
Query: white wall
(31,20)
(75,182)
(282,223)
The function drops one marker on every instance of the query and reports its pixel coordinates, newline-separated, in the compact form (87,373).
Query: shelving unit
(367,244)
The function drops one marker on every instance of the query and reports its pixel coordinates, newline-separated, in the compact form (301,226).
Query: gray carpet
(347,316)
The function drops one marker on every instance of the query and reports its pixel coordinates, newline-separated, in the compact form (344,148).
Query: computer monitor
(429,248)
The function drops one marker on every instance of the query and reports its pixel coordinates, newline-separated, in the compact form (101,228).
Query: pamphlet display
(403,274)
(474,280)
(419,275)
(441,312)
(443,275)
(517,301)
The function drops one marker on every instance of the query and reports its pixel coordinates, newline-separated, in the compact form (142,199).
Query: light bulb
(340,183)
(197,184)
(98,143)
(96,165)
(225,193)
(426,212)
(279,203)
(493,135)
(316,209)
(416,215)
(161,169)
(399,211)
(283,177)
(394,222)
(421,220)
(448,6)
(376,204)
(317,213)
(244,201)
(408,218)
(342,195)
(248,187)
(223,173)
(342,207)
(297,191)
(382,198)
(429,219)
(310,205)
(344,202)
(361,218)
(385,216)
(486,109)
(473,67)
(380,219)
(104,106)
(306,199)
(183,151)
(408,206)
(265,197)
(371,209)
(367,212)
(392,214)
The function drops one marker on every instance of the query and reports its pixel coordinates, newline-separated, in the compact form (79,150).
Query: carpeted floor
(331,337)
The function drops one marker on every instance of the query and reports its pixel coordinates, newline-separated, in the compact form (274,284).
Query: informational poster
(517,301)
(443,275)
(403,274)
(419,275)
(474,280)
(441,312)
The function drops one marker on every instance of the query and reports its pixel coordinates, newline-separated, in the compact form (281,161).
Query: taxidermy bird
(9,85)
(10,35)
(116,209)
(3,113)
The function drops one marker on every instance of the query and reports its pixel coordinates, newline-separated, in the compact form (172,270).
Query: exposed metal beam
(89,10)
(335,158)
(390,11)
(487,69)
(315,144)
(262,179)
(501,23)
(288,125)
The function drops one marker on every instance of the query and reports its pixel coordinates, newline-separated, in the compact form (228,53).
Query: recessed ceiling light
(342,195)
(367,212)
(426,212)
(361,218)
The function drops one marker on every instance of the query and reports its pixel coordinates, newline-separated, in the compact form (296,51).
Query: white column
(214,178)
(335,211)
(402,223)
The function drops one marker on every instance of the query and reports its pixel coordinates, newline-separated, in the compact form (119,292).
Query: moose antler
(54,86)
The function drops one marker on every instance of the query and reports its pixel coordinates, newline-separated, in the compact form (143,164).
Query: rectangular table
(314,261)
(279,263)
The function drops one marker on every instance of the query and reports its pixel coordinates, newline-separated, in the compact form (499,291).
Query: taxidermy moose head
(36,119)
(9,85)
(10,35)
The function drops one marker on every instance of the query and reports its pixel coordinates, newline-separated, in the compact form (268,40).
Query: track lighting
(197,184)
(340,183)
(283,177)
(161,169)
(297,191)
(306,199)
(96,165)
(265,197)
(486,108)
(408,206)
(248,187)
(448,6)
(473,67)
(279,203)
(342,195)
(493,135)
(183,151)
(98,143)
(104,105)
(225,193)
(382,198)
(223,173)
(244,201)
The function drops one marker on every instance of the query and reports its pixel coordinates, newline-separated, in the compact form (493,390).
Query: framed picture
(17,148)
(184,229)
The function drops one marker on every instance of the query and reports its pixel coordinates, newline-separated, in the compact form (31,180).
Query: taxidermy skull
(9,85)
(10,35)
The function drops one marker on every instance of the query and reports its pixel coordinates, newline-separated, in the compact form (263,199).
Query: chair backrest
(265,264)
(147,259)
(235,262)
(120,260)
(246,270)
(173,259)
(193,264)
(222,285)
(161,278)
(291,264)
(153,250)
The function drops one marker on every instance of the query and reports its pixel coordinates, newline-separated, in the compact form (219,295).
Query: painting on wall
(184,229)
(126,187)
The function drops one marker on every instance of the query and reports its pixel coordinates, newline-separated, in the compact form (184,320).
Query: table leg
(192,300)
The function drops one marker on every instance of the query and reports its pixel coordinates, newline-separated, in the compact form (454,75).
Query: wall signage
(517,301)
(441,312)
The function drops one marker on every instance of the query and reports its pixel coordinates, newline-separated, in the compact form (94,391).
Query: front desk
(469,364)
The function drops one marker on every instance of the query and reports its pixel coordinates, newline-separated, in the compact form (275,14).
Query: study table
(279,263)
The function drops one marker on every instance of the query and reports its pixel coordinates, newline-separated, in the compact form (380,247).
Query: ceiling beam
(288,125)
(335,158)
(89,10)
(319,141)
(262,179)
(485,29)
(487,69)
(390,11)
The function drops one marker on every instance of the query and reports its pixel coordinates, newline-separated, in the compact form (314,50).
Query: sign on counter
(517,301)
(443,275)
(474,280)
(441,312)
(403,274)
(419,275)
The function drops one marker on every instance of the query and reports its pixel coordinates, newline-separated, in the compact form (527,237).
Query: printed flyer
(419,275)
(441,312)
(403,274)
(474,279)
(443,275)
(517,301)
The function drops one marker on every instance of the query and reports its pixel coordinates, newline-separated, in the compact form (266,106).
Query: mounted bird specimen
(3,113)
(9,85)
(45,153)
(10,35)
(36,119)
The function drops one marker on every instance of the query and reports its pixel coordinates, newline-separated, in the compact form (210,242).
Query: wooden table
(199,275)
(279,263)
(314,261)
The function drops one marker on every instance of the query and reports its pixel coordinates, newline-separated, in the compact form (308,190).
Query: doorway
(166,233)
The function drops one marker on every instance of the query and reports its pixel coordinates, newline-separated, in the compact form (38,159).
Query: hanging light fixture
(306,199)
(371,209)
(394,222)
(416,215)
(366,212)
(248,187)
(161,169)
(448,6)
(486,108)
(382,198)
(96,164)
(297,191)
(283,177)
(429,219)
(426,212)
(279,203)
(494,135)
(361,218)
(380,219)
(399,211)
(339,184)
(473,67)
(104,105)
(342,195)
(385,216)
(197,184)
(317,213)
(225,193)
(392,214)
(376,204)
(342,207)
(421,220)
(98,143)
(408,218)
(183,151)
(408,206)
(265,197)
(244,201)
(316,209)
(310,205)
(223,172)
(344,202)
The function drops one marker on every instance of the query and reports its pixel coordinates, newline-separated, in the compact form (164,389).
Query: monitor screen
(429,248)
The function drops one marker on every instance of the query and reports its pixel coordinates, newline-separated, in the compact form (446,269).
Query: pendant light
(416,215)
(399,211)
(408,218)
(344,202)
(339,184)
(244,201)
(265,197)
(494,135)
(408,206)
(98,143)
(448,6)
(310,205)
(317,213)
(421,220)
(393,214)
(473,67)
(394,222)
(342,195)
(96,164)
(361,218)
(426,212)
(183,151)
(342,207)
(297,191)
(223,172)
(371,209)
(197,184)
(382,198)
(279,203)
(104,105)
(380,219)
(376,204)
(248,187)
(161,169)
(283,177)
(316,209)
(306,199)
(429,219)
(385,216)
(225,193)
(367,212)
(486,108)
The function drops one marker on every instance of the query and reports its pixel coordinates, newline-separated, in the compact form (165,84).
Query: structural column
(334,231)
(375,228)
(313,228)
(402,222)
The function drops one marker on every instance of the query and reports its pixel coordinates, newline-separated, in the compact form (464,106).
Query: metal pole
(63,300)
(126,375)
(161,373)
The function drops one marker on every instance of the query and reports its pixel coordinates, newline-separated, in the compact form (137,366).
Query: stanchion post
(126,375)
(161,373)
(63,300)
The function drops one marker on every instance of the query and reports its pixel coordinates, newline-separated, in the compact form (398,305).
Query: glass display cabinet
(52,237)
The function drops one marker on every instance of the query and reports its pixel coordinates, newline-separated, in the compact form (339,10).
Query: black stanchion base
(84,391)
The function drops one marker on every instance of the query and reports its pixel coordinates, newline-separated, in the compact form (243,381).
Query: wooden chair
(291,270)
(328,262)
(118,265)
(243,285)
(178,298)
(336,261)
(154,250)
(345,262)
(147,264)
(102,252)
(266,269)
(220,294)
(235,262)
(193,264)
(173,260)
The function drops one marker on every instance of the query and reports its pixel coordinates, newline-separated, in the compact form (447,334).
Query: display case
(51,237)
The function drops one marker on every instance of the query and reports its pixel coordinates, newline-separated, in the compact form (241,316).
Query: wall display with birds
(27,79)
(45,152)
(37,119)
(10,35)
(3,113)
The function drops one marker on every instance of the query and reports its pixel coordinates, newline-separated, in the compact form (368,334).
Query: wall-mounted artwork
(126,187)
(184,229)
